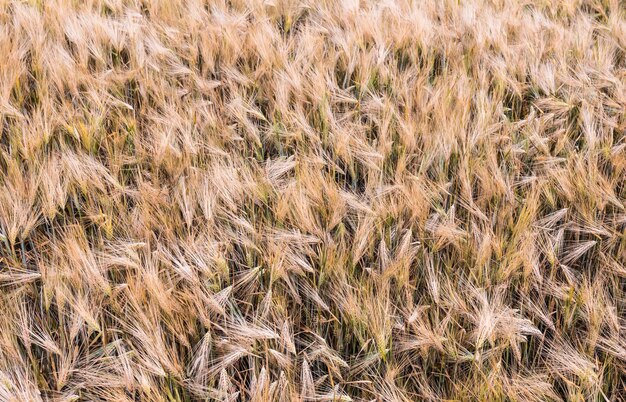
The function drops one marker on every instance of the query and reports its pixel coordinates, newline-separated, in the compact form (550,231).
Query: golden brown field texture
(306,200)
